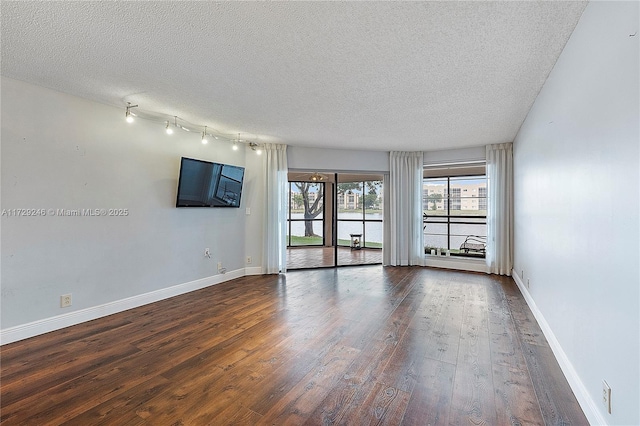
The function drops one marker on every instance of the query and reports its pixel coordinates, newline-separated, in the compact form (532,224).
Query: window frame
(362,220)
(446,219)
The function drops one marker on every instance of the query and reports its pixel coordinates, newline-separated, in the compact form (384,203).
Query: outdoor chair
(476,243)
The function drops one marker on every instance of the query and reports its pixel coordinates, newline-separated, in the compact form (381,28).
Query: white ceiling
(357,75)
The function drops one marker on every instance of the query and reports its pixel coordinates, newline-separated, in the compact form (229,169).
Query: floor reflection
(322,257)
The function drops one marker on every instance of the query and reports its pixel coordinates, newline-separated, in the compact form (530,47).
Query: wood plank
(515,398)
(430,400)
(473,391)
(383,405)
(444,336)
(297,405)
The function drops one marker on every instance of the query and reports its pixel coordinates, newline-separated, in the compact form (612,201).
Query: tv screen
(206,184)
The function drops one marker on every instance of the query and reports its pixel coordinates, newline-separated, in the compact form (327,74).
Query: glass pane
(468,229)
(306,233)
(434,242)
(307,198)
(350,200)
(468,196)
(434,197)
(474,235)
(435,228)
(372,199)
(373,234)
(305,213)
(345,229)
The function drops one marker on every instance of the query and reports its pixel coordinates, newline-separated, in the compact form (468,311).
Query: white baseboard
(25,331)
(587,404)
(254,270)
(457,263)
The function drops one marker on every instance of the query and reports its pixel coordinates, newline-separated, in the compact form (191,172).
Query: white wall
(452,156)
(64,152)
(337,160)
(576,162)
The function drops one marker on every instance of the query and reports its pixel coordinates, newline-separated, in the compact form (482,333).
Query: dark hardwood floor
(352,346)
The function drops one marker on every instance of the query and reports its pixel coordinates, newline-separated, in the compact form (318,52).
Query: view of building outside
(467,197)
(349,200)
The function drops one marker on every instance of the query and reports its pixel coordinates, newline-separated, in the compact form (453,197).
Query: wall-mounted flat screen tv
(206,184)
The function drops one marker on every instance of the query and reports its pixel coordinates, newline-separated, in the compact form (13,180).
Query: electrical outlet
(65,300)
(219,265)
(248,260)
(606,396)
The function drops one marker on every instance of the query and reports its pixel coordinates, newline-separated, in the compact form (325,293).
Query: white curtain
(499,254)
(403,239)
(274,253)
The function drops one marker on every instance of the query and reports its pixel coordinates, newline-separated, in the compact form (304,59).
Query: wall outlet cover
(65,300)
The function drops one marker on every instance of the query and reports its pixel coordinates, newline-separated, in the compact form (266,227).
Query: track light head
(204,136)
(255,147)
(128,115)
(168,129)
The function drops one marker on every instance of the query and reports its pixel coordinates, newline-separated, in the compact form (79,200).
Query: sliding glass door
(334,220)
(359,201)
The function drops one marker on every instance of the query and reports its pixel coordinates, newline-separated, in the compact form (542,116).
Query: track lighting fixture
(170,128)
(128,115)
(204,136)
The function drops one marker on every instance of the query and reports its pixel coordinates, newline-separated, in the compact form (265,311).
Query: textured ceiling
(370,75)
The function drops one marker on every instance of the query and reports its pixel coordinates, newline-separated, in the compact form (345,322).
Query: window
(455,214)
